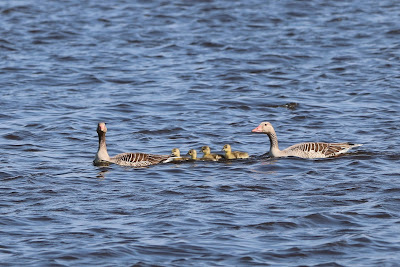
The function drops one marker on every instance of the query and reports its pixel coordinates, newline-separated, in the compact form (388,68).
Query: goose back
(138,159)
(318,149)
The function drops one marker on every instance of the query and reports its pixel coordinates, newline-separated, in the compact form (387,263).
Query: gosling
(193,154)
(176,155)
(229,154)
(208,155)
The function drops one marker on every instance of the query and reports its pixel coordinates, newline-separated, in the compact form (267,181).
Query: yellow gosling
(176,155)
(193,154)
(208,155)
(229,154)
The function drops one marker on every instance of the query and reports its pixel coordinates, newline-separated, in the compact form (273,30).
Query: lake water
(165,74)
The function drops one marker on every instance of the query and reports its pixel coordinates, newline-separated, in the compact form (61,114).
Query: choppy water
(166,74)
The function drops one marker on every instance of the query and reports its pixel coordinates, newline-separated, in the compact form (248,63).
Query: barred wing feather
(138,159)
(318,149)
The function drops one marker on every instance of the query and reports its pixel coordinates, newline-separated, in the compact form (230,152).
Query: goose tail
(354,145)
(170,159)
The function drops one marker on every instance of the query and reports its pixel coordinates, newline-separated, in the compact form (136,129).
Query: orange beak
(257,130)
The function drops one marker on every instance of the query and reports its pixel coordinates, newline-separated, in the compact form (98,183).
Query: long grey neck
(102,153)
(273,139)
(102,141)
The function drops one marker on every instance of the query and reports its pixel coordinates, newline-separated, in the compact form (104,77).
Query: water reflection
(102,173)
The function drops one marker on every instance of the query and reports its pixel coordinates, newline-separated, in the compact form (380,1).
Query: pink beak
(257,130)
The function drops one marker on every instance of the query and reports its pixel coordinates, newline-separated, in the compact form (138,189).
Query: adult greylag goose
(302,150)
(176,155)
(229,154)
(193,154)
(208,155)
(123,159)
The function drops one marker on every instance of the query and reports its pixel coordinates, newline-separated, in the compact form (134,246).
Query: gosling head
(226,148)
(175,152)
(206,149)
(192,153)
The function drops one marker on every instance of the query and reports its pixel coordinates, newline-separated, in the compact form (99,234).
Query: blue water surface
(165,74)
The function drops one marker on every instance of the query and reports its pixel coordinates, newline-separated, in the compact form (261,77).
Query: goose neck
(102,153)
(274,147)
(102,140)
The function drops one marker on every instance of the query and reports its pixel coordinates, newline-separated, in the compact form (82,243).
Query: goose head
(264,127)
(101,127)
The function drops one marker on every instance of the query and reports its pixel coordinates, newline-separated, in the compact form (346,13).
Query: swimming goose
(208,155)
(229,154)
(124,159)
(193,154)
(302,150)
(176,155)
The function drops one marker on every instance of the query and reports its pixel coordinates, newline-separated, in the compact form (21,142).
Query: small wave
(13,137)
(161,131)
(393,32)
(274,225)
